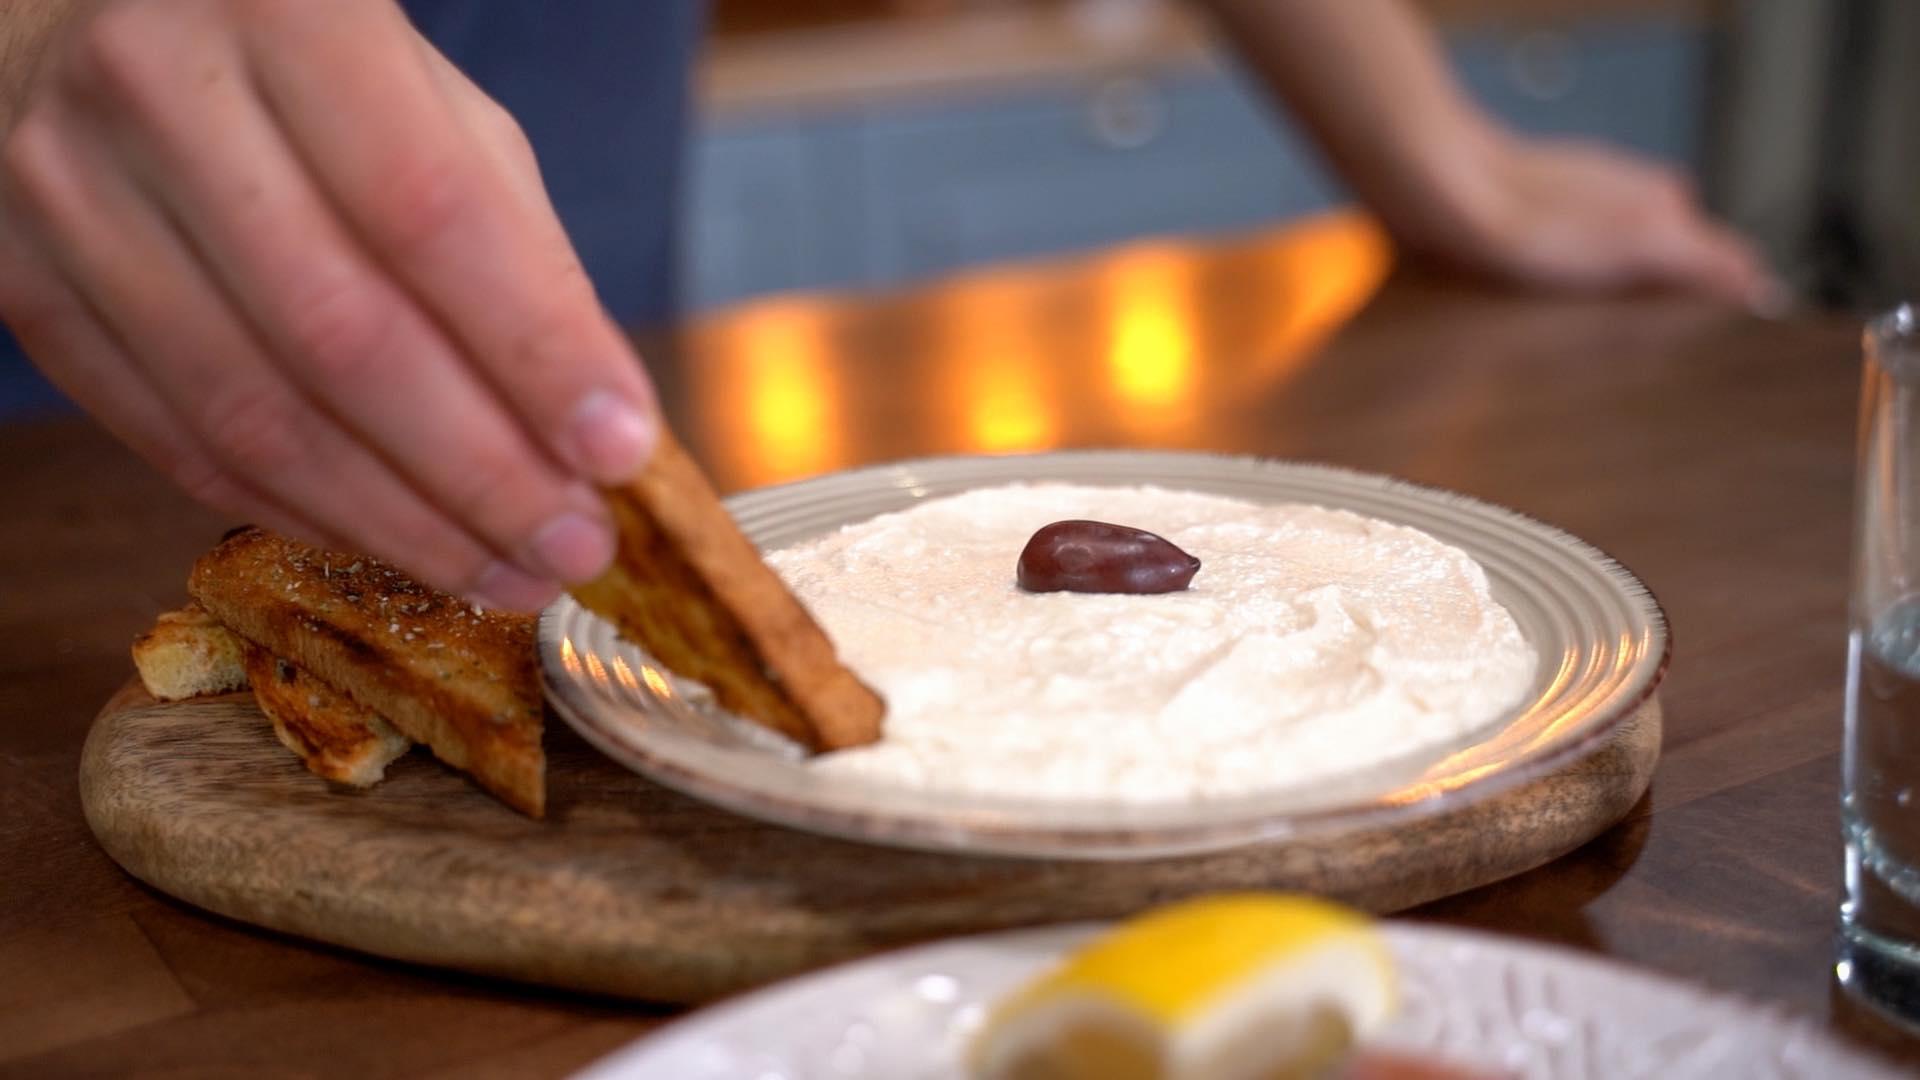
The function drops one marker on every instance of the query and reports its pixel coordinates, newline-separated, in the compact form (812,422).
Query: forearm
(1370,82)
(25,30)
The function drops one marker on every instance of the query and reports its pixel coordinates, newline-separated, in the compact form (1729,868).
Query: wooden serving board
(630,889)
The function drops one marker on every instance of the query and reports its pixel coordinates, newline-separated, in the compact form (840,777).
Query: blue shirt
(601,87)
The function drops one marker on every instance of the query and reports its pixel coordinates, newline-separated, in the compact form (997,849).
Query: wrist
(1454,197)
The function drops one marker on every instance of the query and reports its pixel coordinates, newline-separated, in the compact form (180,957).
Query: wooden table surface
(1710,452)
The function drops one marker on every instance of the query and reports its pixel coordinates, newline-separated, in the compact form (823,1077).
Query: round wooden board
(630,889)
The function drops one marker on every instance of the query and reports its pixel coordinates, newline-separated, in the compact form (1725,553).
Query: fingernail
(571,548)
(611,438)
(507,587)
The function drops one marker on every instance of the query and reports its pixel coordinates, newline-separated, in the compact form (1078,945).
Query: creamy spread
(1312,642)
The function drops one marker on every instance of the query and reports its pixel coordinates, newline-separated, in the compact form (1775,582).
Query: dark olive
(1095,557)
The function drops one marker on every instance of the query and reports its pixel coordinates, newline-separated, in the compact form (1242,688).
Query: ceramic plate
(1470,1000)
(1601,637)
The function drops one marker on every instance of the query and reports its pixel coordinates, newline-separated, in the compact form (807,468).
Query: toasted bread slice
(441,672)
(188,653)
(336,737)
(692,590)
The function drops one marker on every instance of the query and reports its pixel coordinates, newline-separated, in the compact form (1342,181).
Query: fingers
(151,292)
(433,207)
(495,129)
(1739,272)
(1680,247)
(49,319)
(1644,226)
(344,332)
(1590,217)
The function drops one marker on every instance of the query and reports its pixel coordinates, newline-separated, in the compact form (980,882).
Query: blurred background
(863,144)
(858,143)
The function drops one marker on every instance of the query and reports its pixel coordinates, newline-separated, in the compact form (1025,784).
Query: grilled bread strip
(442,673)
(692,590)
(336,737)
(188,653)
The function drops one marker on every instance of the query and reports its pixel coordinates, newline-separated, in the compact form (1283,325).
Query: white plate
(1601,637)
(1470,1000)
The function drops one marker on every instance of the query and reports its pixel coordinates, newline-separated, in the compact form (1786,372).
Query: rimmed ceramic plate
(1469,1000)
(1601,637)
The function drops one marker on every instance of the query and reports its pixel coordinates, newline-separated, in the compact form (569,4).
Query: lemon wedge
(1237,987)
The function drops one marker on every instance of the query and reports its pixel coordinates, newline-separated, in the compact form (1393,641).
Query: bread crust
(692,590)
(187,653)
(333,735)
(461,681)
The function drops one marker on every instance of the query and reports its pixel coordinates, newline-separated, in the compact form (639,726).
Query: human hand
(1567,214)
(304,267)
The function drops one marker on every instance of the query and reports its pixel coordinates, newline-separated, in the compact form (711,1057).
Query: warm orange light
(623,674)
(1324,270)
(656,681)
(1454,771)
(779,402)
(1005,409)
(990,373)
(992,369)
(1151,354)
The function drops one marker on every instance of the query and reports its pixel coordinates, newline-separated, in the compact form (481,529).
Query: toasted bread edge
(188,654)
(333,735)
(690,587)
(498,755)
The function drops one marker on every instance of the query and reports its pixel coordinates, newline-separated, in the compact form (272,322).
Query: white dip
(1311,642)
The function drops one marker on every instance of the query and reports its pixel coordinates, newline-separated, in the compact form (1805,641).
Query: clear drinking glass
(1879,949)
